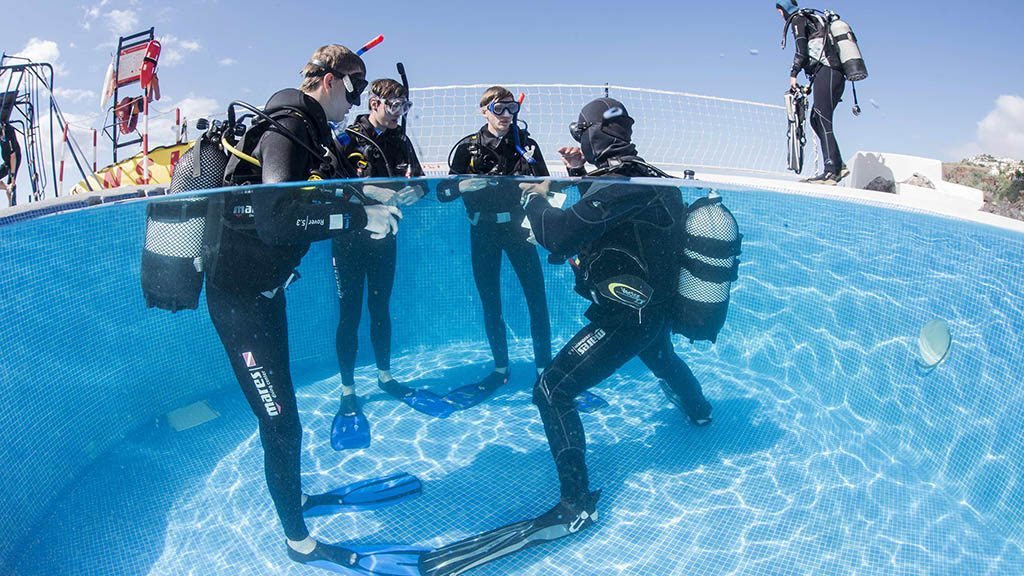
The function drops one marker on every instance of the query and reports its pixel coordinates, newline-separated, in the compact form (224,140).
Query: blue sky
(937,69)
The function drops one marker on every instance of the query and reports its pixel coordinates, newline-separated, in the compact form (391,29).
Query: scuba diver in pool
(625,236)
(263,236)
(499,148)
(377,147)
(817,56)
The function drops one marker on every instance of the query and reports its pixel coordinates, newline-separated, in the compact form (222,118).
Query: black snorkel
(405,84)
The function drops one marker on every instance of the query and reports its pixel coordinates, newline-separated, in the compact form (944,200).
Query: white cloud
(173,49)
(171,57)
(162,128)
(73,95)
(227,61)
(91,13)
(122,21)
(1001,133)
(38,50)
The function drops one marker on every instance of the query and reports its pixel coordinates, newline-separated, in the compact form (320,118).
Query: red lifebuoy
(127,112)
(149,62)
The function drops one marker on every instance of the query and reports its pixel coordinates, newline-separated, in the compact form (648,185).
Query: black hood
(607,137)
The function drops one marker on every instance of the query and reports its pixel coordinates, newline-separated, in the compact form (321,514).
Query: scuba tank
(841,35)
(173,255)
(709,266)
(849,52)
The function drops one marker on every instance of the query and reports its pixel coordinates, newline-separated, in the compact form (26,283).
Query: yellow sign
(131,172)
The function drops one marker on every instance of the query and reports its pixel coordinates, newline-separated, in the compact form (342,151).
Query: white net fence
(674,130)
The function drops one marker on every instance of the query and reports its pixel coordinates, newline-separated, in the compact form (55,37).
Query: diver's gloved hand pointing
(382,220)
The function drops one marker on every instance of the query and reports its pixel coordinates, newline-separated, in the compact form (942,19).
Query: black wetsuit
(263,236)
(639,220)
(496,218)
(362,261)
(818,57)
(9,148)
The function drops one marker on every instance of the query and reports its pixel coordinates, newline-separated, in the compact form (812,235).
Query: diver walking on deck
(819,54)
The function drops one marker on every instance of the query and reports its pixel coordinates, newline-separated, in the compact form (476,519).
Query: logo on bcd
(628,295)
(250,360)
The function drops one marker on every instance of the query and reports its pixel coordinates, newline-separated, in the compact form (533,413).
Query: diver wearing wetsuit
(626,237)
(496,217)
(378,147)
(263,236)
(10,161)
(816,55)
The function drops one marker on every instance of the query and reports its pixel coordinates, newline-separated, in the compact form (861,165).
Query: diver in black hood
(625,236)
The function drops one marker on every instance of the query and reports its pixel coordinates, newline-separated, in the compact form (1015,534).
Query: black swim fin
(362,560)
(459,557)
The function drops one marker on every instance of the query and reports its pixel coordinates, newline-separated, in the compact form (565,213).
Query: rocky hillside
(1001,179)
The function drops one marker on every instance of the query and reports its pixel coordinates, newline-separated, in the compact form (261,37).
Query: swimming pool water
(832,451)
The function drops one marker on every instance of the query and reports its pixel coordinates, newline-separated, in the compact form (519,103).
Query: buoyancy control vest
(182,234)
(706,244)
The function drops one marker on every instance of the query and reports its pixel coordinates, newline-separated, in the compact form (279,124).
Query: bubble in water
(934,342)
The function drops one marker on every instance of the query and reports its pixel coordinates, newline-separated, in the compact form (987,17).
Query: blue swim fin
(364,495)
(588,402)
(362,560)
(423,401)
(350,429)
(470,395)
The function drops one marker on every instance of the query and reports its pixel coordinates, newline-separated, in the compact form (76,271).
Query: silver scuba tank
(172,259)
(709,266)
(849,52)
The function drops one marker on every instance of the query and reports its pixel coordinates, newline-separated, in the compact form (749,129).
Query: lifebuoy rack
(134,64)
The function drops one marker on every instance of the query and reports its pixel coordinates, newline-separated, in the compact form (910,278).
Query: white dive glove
(472,185)
(382,195)
(382,220)
(409,195)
